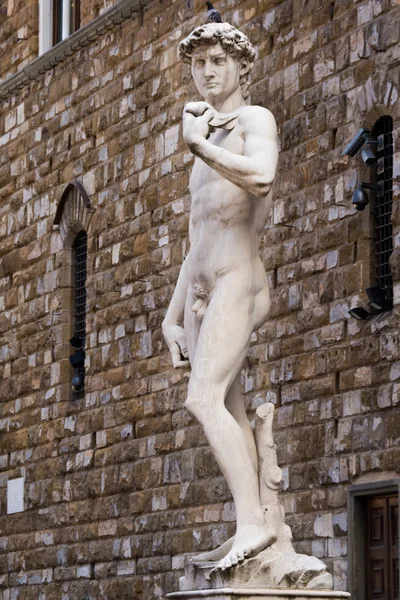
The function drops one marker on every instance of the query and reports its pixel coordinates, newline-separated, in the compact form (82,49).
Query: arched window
(72,220)
(376,100)
(382,207)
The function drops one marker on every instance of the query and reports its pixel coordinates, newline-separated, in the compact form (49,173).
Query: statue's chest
(202,173)
(231,140)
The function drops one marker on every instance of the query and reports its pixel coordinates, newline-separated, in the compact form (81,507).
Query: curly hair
(231,39)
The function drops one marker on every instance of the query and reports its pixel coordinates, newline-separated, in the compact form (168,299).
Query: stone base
(270,569)
(257,594)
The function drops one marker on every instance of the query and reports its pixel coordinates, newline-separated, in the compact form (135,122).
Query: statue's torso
(226,222)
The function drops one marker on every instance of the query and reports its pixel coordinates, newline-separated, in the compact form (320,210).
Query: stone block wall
(19,43)
(121,486)
(19,30)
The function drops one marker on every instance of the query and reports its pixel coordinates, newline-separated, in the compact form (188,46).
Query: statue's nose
(208,71)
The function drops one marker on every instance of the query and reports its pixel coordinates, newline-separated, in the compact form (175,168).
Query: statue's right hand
(195,126)
(197,109)
(174,335)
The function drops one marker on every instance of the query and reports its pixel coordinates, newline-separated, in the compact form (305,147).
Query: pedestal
(270,569)
(276,572)
(257,594)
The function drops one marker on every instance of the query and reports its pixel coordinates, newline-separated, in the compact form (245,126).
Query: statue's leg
(221,348)
(234,403)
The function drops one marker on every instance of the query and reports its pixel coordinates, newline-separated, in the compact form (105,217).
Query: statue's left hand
(196,118)
(175,337)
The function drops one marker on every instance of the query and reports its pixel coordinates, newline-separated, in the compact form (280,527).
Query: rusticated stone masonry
(120,486)
(19,30)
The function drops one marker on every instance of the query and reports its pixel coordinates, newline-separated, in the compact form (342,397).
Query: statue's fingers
(182,345)
(197,108)
(182,364)
(175,360)
(204,107)
(207,116)
(175,354)
(194,109)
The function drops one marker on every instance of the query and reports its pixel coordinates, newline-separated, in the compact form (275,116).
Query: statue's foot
(216,554)
(249,541)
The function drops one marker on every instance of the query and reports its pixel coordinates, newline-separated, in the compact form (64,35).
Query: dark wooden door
(394,547)
(382,548)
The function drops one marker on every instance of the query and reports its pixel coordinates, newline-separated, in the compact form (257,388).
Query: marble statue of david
(222,295)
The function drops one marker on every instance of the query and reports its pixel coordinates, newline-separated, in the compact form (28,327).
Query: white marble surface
(256,594)
(222,293)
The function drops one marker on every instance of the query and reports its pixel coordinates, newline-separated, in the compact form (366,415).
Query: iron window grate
(383,131)
(80,249)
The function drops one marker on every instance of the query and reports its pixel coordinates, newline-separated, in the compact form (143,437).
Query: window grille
(80,248)
(80,251)
(383,132)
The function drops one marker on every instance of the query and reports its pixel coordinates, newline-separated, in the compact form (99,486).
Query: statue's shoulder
(259,116)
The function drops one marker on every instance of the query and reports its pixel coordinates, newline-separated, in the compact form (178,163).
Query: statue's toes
(240,555)
(234,560)
(228,562)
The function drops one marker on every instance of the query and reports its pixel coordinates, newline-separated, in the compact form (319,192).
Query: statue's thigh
(223,341)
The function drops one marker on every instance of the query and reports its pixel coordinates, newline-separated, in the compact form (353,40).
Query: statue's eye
(219,61)
(200,63)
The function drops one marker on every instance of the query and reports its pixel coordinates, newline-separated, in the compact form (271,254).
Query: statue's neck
(230,104)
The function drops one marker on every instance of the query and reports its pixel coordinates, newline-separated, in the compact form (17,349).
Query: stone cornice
(122,10)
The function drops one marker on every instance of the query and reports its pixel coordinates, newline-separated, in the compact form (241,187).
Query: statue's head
(220,55)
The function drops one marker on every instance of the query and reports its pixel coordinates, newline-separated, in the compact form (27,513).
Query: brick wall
(121,485)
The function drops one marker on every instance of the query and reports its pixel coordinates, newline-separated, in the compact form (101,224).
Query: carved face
(216,73)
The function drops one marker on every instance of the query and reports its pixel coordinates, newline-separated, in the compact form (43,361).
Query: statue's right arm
(172,329)
(252,171)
